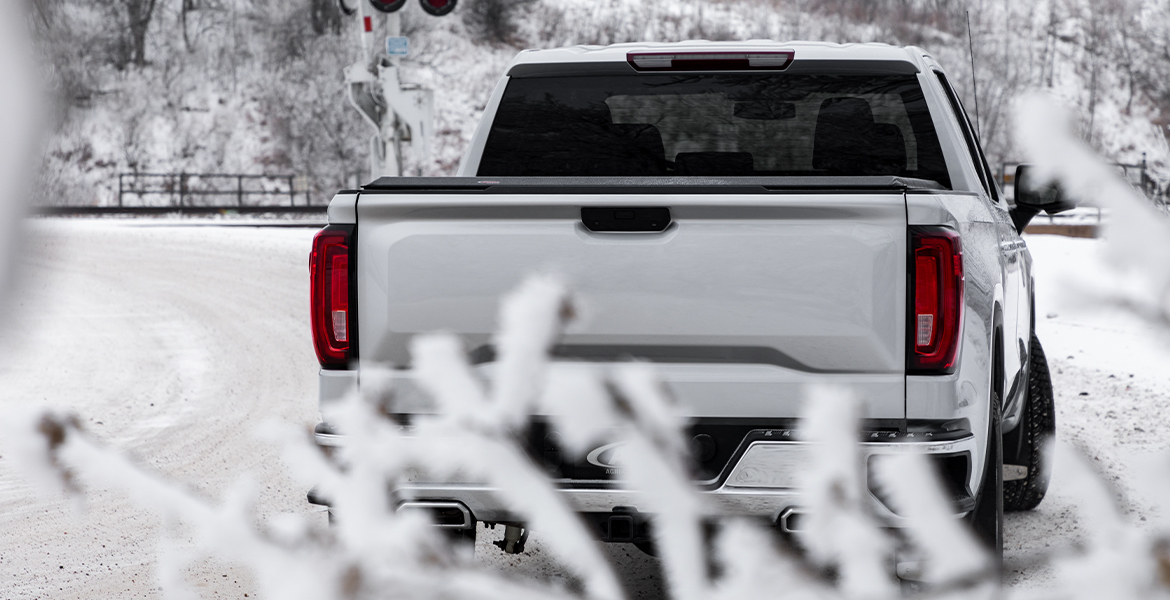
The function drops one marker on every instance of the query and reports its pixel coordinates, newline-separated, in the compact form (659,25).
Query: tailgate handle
(625,218)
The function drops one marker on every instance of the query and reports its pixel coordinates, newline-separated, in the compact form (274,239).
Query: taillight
(772,60)
(329,278)
(936,272)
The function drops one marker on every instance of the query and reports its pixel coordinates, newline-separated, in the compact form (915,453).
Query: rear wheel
(987,518)
(1037,429)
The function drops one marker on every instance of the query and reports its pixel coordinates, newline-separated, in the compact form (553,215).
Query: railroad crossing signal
(397,112)
(437,8)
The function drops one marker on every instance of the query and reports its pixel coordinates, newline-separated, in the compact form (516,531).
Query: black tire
(987,518)
(1038,425)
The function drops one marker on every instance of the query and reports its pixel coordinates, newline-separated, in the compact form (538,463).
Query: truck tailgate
(744,299)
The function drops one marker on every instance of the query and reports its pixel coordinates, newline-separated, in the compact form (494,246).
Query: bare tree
(325,16)
(494,21)
(185,7)
(139,13)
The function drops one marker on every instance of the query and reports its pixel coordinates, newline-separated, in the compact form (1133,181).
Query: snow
(479,439)
(530,323)
(841,532)
(1112,385)
(1108,338)
(209,324)
(173,344)
(654,468)
(1136,272)
(954,553)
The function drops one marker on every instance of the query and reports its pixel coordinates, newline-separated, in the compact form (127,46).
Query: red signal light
(936,315)
(329,281)
(387,6)
(437,8)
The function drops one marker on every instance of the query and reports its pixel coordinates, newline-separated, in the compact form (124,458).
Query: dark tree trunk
(325,16)
(139,13)
(186,7)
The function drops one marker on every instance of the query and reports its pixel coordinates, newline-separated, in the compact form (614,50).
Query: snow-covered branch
(479,433)
(1136,275)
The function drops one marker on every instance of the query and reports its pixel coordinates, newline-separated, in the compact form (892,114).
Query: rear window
(715,124)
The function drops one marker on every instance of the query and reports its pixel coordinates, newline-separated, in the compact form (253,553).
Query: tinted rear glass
(714,124)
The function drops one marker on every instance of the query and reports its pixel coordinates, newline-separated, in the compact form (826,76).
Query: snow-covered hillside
(253,86)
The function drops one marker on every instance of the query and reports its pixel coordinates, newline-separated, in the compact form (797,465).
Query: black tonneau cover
(648,185)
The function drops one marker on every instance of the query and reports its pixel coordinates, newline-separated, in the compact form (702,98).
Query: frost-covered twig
(1137,236)
(951,553)
(655,468)
(479,434)
(841,531)
(225,530)
(531,319)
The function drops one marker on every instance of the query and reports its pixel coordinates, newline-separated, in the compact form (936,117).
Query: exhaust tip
(451,515)
(791,520)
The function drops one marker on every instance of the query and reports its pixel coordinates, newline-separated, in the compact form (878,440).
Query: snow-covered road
(1111,376)
(175,342)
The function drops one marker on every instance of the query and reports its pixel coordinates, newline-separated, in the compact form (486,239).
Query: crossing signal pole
(398,113)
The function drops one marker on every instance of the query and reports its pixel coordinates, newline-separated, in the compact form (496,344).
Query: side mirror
(1034,196)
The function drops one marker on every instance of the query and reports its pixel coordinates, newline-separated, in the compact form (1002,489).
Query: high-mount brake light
(936,316)
(772,60)
(329,279)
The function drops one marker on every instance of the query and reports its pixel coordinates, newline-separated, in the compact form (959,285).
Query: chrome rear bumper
(760,484)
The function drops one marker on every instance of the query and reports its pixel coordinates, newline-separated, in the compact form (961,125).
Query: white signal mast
(399,113)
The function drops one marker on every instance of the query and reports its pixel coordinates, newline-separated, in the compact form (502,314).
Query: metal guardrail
(202,193)
(192,190)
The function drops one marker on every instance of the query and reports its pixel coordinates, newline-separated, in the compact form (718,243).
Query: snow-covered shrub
(1136,272)
(374,552)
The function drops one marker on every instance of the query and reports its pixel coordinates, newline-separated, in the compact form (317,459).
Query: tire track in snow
(173,343)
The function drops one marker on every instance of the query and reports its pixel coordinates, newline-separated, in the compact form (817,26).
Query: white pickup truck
(750,217)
